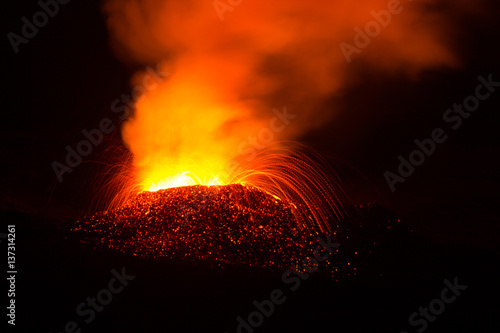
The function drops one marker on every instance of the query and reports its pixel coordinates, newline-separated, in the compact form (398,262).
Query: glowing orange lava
(185,178)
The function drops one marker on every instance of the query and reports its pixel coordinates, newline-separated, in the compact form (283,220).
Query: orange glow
(178,136)
(227,75)
(182,179)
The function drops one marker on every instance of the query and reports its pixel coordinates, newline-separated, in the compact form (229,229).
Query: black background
(64,80)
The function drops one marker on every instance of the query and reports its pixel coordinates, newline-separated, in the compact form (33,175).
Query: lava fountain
(268,215)
(199,183)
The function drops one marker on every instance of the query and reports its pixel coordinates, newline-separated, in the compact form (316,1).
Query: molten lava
(183,179)
(232,224)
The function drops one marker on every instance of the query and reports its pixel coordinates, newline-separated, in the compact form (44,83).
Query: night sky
(65,79)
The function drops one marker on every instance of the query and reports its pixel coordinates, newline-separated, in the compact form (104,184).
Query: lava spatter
(233,224)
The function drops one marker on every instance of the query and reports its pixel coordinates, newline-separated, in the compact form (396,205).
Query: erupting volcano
(211,175)
(269,218)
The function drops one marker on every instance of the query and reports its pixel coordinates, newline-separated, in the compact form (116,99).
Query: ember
(233,224)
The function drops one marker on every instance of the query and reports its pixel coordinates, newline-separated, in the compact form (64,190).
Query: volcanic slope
(230,225)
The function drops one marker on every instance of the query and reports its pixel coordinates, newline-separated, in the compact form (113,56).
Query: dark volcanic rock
(235,225)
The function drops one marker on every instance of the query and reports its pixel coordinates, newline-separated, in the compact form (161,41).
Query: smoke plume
(232,61)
